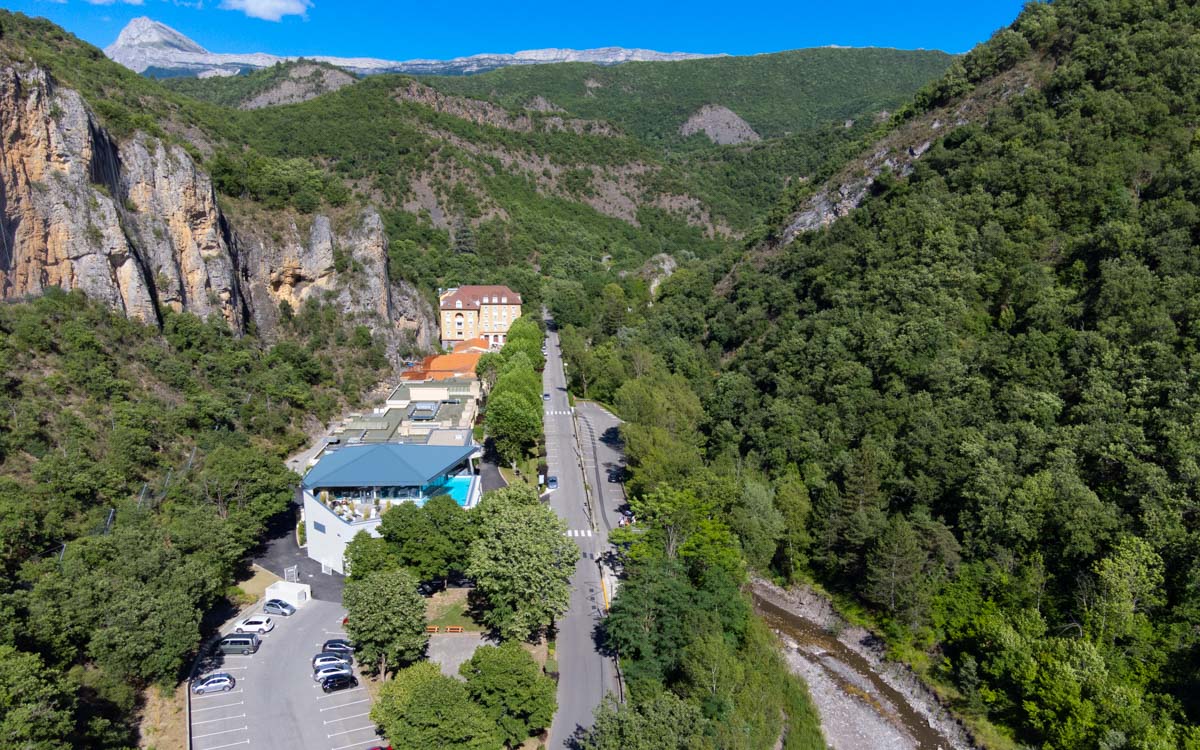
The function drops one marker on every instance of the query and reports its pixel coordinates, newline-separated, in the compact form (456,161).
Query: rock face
(304,81)
(720,124)
(486,113)
(136,224)
(145,44)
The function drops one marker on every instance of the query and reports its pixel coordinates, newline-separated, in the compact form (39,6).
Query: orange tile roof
(470,296)
(444,367)
(476,343)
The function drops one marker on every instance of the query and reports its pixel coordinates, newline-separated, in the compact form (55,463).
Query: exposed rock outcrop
(136,225)
(721,125)
(304,81)
(486,113)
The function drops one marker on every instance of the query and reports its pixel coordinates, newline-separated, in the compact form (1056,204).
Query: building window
(458,321)
(318,527)
(458,304)
(504,300)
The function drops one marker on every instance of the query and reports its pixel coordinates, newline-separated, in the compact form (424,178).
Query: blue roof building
(350,489)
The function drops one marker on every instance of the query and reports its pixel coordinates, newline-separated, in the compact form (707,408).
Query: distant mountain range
(149,47)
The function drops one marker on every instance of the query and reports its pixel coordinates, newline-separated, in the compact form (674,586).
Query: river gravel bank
(864,700)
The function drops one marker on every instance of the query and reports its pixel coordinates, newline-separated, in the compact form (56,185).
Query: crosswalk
(557,412)
(579,532)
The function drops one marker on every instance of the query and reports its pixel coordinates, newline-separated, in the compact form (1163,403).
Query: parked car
(330,659)
(545,396)
(552,483)
(278,607)
(462,582)
(427,588)
(241,643)
(255,624)
(338,646)
(321,674)
(216,682)
(338,682)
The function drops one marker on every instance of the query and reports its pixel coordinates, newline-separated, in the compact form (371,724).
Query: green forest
(968,409)
(138,466)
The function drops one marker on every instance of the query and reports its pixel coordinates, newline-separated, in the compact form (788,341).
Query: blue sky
(397,29)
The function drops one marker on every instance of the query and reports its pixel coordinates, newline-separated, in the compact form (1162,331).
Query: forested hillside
(137,468)
(968,408)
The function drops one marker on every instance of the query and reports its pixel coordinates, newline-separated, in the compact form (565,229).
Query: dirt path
(864,700)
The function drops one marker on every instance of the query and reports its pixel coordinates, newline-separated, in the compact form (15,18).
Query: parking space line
(223,718)
(351,703)
(214,695)
(357,744)
(344,718)
(231,744)
(217,708)
(348,731)
(340,692)
(214,734)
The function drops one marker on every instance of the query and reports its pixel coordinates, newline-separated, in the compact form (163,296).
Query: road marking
(344,718)
(214,734)
(223,718)
(351,703)
(348,731)
(357,744)
(579,532)
(216,695)
(336,632)
(337,693)
(231,744)
(215,708)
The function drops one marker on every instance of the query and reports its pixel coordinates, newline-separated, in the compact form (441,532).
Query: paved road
(276,705)
(278,551)
(585,674)
(604,466)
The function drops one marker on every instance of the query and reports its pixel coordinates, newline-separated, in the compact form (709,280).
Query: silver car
(213,683)
(278,607)
(323,672)
(330,660)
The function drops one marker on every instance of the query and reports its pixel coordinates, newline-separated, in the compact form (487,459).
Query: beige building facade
(485,312)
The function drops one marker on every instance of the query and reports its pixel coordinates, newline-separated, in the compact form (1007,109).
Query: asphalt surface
(276,705)
(585,674)
(279,551)
(604,467)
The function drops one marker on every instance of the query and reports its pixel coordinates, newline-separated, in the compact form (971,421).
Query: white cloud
(268,10)
(112,2)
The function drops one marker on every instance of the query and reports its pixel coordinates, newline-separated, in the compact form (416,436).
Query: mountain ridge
(148,45)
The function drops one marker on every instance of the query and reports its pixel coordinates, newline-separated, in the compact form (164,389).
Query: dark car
(428,588)
(462,582)
(337,646)
(278,607)
(339,682)
(552,483)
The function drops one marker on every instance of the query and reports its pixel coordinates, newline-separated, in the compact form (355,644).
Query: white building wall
(326,535)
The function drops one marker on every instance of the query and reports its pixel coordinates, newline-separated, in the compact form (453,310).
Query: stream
(864,701)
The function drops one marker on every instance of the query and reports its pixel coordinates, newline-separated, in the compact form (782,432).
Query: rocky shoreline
(890,708)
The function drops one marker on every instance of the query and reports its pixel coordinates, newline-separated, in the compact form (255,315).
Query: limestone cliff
(136,224)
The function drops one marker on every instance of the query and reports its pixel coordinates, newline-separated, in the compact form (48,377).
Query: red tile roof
(470,296)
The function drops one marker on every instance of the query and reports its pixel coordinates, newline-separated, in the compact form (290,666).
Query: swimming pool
(457,487)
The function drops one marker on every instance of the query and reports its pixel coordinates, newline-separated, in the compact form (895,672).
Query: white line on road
(217,708)
(340,692)
(217,695)
(231,744)
(214,734)
(348,731)
(344,718)
(223,718)
(351,703)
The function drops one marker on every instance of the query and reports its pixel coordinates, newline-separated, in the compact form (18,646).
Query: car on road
(338,682)
(552,483)
(278,607)
(255,624)
(244,644)
(338,646)
(216,682)
(324,672)
(330,659)
(545,396)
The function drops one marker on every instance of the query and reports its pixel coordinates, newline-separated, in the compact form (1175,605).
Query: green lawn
(450,608)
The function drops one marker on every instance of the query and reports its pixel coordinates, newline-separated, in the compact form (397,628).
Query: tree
(386,618)
(36,706)
(522,562)
(794,506)
(758,524)
(511,688)
(422,708)
(513,423)
(894,569)
(664,722)
(366,554)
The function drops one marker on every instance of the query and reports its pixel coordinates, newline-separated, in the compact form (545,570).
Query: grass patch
(450,607)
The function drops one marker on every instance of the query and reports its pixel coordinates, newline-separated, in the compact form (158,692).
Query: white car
(323,672)
(256,624)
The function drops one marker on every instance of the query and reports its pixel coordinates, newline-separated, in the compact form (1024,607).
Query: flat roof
(385,465)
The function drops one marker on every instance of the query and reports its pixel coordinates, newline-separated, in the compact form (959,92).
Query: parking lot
(276,705)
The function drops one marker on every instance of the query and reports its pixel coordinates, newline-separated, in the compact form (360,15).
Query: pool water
(458,487)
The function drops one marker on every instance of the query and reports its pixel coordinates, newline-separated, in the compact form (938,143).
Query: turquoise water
(456,487)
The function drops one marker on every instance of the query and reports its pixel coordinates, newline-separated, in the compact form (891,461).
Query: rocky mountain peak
(146,32)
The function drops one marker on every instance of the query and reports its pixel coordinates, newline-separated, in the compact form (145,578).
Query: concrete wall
(328,546)
(295,594)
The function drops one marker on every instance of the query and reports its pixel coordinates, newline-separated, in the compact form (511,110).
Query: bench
(454,629)
(431,628)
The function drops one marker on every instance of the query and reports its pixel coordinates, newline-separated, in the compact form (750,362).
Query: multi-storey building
(485,312)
